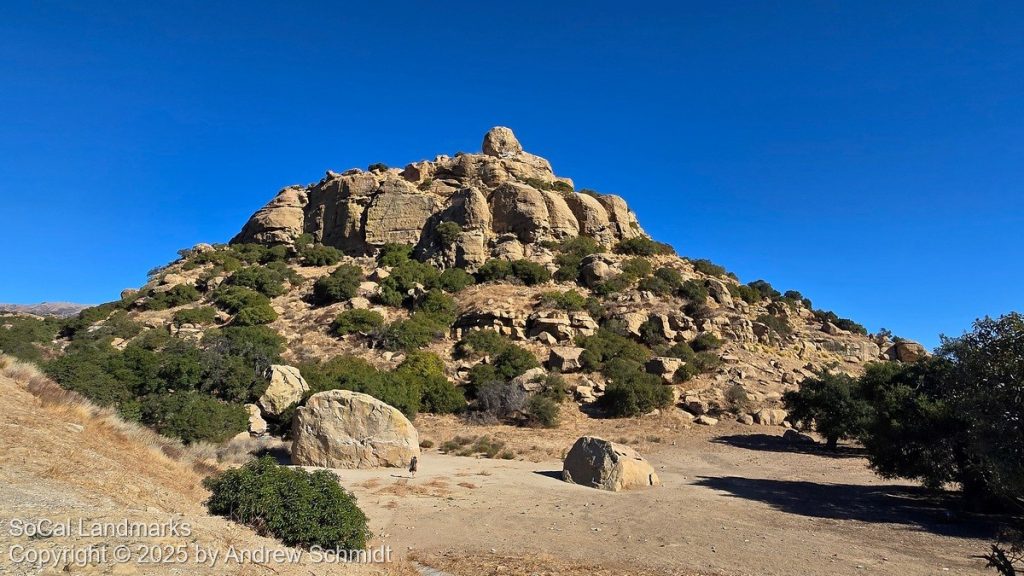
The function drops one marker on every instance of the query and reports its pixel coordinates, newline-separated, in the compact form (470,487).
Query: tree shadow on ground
(916,507)
(770,443)
(280,454)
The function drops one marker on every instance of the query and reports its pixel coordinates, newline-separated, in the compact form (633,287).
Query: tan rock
(561,221)
(398,214)
(286,388)
(565,359)
(591,216)
(501,142)
(257,425)
(281,220)
(521,210)
(345,429)
(909,351)
(605,465)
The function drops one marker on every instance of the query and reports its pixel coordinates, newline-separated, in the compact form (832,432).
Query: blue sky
(868,154)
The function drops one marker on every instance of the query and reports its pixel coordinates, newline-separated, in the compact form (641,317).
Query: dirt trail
(743,503)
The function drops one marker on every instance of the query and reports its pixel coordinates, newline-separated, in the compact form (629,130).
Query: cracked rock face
(502,195)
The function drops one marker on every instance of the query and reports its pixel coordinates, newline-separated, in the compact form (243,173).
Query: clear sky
(868,154)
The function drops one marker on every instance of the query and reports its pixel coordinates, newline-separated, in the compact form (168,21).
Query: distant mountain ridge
(57,309)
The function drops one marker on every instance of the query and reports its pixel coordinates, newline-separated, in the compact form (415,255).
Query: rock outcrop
(345,429)
(286,388)
(505,200)
(605,465)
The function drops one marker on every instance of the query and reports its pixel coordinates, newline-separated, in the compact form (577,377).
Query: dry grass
(469,564)
(436,488)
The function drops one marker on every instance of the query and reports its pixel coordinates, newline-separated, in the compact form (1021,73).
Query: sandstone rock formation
(605,465)
(345,429)
(286,388)
(506,201)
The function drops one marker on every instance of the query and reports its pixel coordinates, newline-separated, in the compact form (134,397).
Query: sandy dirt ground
(734,500)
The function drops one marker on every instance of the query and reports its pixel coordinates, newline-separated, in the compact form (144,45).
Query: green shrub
(694,291)
(542,411)
(605,346)
(779,325)
(737,400)
(300,508)
(352,321)
(320,255)
(631,391)
(440,306)
(705,266)
(478,343)
(570,300)
(178,295)
(338,286)
(236,298)
(394,254)
(829,402)
(765,290)
(513,361)
(263,279)
(27,337)
(412,333)
(613,285)
(651,333)
(706,341)
(255,315)
(842,323)
(454,280)
(746,293)
(637,267)
(643,246)
(528,272)
(201,315)
(193,417)
(561,186)
(377,167)
(405,277)
(665,281)
(448,233)
(570,254)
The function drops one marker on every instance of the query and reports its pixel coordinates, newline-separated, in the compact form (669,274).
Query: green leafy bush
(201,315)
(843,323)
(377,167)
(643,246)
(831,403)
(706,341)
(528,272)
(415,332)
(454,280)
(338,286)
(263,279)
(353,321)
(569,300)
(705,266)
(542,411)
(193,417)
(694,291)
(631,391)
(478,343)
(448,233)
(178,295)
(236,298)
(570,254)
(637,268)
(440,306)
(765,290)
(26,337)
(255,315)
(779,325)
(320,255)
(392,254)
(300,508)
(605,346)
(405,277)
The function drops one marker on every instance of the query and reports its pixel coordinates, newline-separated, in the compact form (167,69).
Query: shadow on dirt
(770,443)
(918,508)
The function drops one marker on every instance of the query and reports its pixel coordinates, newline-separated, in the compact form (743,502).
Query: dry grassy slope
(63,458)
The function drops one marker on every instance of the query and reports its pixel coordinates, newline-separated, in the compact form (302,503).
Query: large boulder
(565,359)
(398,214)
(501,142)
(519,209)
(345,429)
(908,351)
(280,221)
(606,465)
(286,388)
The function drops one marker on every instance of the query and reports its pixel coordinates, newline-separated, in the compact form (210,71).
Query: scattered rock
(345,429)
(257,425)
(705,420)
(286,388)
(797,437)
(565,359)
(605,465)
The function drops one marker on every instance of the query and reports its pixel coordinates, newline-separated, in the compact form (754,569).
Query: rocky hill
(385,264)
(56,309)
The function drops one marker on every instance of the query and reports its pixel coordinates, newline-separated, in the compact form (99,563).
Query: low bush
(694,291)
(454,280)
(569,300)
(478,343)
(637,268)
(377,167)
(706,341)
(299,508)
(779,325)
(631,391)
(353,321)
(448,233)
(528,272)
(643,246)
(201,315)
(178,295)
(542,411)
(842,323)
(27,338)
(193,417)
(405,277)
(263,279)
(255,316)
(338,286)
(413,333)
(570,253)
(394,254)
(320,255)
(705,266)
(605,346)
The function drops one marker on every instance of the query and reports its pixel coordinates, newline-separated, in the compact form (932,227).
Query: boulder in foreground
(345,429)
(606,465)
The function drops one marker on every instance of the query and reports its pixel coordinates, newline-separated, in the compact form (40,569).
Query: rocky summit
(506,202)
